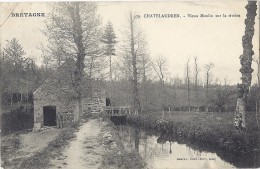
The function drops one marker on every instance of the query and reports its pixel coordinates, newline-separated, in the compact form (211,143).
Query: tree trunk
(137,107)
(240,122)
(258,73)
(110,67)
(78,39)
(11,99)
(246,62)
(256,112)
(196,81)
(136,136)
(188,83)
(207,88)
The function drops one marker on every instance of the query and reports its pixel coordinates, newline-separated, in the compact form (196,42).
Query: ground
(33,142)
(83,147)
(17,147)
(85,150)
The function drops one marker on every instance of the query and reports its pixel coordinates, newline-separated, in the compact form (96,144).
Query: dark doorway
(49,116)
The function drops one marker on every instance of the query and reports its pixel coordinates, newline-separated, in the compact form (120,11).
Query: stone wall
(43,98)
(58,91)
(66,108)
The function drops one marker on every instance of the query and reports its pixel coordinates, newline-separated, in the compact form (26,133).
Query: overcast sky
(216,40)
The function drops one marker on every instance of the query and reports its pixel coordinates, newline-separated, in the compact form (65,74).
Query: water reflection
(164,151)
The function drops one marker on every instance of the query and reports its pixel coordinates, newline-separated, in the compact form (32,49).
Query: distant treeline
(221,98)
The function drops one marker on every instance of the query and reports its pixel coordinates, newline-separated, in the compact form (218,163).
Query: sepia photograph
(130,84)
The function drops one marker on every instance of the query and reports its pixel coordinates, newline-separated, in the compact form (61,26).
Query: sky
(216,40)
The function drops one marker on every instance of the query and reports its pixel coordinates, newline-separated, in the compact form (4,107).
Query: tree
(222,97)
(109,38)
(196,78)
(145,74)
(187,68)
(257,61)
(53,54)
(159,67)
(77,27)
(208,68)
(253,100)
(246,70)
(13,54)
(134,48)
(1,77)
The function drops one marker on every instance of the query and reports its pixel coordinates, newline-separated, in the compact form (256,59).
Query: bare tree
(187,68)
(145,74)
(160,67)
(196,79)
(246,70)
(208,68)
(134,47)
(77,27)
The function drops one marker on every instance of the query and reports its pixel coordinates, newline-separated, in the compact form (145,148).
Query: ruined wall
(93,104)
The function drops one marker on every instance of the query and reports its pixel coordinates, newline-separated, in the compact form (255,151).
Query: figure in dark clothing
(108,102)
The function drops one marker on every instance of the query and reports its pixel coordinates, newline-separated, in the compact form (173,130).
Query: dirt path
(85,151)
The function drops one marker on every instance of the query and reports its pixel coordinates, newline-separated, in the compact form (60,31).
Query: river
(161,151)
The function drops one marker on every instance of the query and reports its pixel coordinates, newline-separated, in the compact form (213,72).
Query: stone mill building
(55,102)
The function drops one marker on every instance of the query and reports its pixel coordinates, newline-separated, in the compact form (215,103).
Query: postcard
(130,84)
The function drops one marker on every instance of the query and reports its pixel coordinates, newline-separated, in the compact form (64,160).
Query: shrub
(17,120)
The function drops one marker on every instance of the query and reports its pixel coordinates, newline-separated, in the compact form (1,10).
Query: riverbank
(206,131)
(118,157)
(34,149)
(92,144)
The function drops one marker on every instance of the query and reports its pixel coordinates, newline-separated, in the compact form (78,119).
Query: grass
(9,147)
(210,132)
(210,128)
(118,157)
(41,159)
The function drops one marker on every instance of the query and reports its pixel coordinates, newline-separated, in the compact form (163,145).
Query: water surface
(161,152)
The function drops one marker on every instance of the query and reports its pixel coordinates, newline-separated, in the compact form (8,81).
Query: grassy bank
(203,129)
(9,147)
(117,157)
(41,159)
(13,157)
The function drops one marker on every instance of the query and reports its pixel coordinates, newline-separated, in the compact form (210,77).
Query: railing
(117,111)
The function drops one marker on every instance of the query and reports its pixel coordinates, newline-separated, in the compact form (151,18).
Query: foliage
(253,99)
(9,146)
(17,120)
(14,51)
(123,160)
(119,157)
(19,73)
(223,96)
(65,27)
(213,130)
(109,38)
